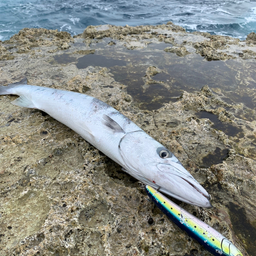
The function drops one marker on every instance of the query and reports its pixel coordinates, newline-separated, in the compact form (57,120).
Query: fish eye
(164,154)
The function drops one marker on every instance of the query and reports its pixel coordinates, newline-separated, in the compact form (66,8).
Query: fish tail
(4,90)
(22,101)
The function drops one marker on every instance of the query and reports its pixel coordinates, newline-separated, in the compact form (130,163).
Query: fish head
(153,164)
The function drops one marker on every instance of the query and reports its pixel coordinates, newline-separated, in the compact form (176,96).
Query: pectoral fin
(112,124)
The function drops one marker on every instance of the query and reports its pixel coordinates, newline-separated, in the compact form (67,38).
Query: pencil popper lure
(211,239)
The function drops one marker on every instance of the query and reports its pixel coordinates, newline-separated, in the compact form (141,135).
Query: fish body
(211,239)
(116,136)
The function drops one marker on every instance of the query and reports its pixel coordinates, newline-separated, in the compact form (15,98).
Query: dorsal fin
(112,124)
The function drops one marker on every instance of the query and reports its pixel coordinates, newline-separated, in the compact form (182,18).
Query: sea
(236,18)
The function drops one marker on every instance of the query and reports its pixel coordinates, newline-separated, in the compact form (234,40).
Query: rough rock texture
(251,38)
(61,196)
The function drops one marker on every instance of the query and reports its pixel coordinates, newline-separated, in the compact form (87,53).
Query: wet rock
(84,52)
(5,54)
(247,54)
(2,49)
(251,38)
(152,71)
(174,27)
(64,46)
(61,196)
(30,38)
(180,51)
(209,50)
(102,31)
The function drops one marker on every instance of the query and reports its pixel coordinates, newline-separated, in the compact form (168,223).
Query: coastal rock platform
(193,92)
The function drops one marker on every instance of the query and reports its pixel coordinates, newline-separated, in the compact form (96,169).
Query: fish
(210,238)
(116,136)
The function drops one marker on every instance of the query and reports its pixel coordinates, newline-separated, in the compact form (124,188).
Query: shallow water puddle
(218,156)
(163,77)
(153,97)
(98,60)
(64,58)
(218,125)
(235,81)
(242,227)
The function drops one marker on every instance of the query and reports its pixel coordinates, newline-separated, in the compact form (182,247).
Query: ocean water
(235,18)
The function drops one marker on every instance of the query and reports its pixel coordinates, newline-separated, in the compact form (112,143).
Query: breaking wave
(232,18)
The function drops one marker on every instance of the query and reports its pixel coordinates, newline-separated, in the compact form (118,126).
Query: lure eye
(164,154)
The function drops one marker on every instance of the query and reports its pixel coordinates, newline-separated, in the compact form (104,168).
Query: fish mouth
(208,197)
(176,181)
(200,201)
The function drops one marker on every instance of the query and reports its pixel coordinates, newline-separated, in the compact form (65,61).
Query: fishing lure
(212,240)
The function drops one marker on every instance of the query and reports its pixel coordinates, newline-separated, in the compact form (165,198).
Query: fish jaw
(141,158)
(174,180)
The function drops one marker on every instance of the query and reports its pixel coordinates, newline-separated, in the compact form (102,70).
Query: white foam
(66,26)
(4,32)
(63,26)
(251,15)
(189,26)
(74,20)
(103,6)
(190,14)
(223,11)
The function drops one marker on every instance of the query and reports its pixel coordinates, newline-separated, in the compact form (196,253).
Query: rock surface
(61,196)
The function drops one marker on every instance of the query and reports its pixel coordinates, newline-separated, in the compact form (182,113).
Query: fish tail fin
(4,90)
(9,89)
(22,101)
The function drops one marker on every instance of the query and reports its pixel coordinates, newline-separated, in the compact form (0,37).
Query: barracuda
(116,136)
(212,240)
